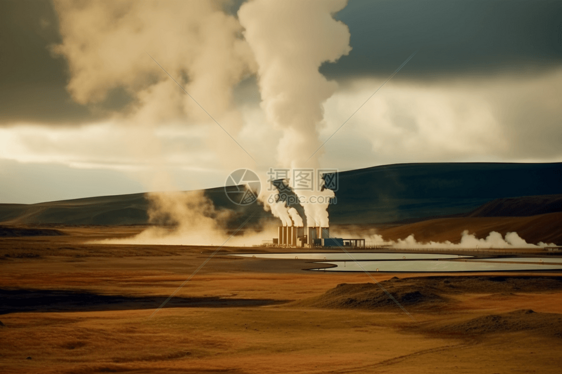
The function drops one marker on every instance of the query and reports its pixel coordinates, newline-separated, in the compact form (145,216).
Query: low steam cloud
(468,241)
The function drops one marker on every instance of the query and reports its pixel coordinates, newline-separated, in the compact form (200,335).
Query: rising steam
(290,41)
(297,220)
(279,210)
(108,46)
(468,241)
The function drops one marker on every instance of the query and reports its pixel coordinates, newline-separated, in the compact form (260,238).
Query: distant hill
(105,210)
(413,192)
(377,195)
(112,210)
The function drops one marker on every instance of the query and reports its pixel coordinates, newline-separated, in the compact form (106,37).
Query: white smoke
(493,240)
(279,210)
(316,210)
(295,216)
(108,45)
(290,41)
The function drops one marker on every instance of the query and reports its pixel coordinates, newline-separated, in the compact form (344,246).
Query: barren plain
(73,307)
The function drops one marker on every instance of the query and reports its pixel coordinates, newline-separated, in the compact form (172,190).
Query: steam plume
(297,220)
(279,210)
(290,40)
(493,240)
(106,44)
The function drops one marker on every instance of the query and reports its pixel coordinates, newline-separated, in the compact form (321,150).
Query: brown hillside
(424,293)
(549,324)
(545,227)
(520,206)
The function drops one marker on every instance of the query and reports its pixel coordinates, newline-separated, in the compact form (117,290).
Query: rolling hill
(403,193)
(413,192)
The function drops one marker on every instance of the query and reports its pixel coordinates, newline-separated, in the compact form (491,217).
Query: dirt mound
(488,284)
(7,231)
(373,296)
(479,284)
(499,296)
(425,292)
(520,320)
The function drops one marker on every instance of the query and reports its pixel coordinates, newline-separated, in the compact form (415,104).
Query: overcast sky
(85,110)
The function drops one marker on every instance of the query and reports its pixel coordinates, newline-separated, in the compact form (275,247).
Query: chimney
(280,235)
(312,231)
(299,234)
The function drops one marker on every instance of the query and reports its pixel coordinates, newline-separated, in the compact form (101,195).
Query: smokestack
(299,234)
(312,235)
(280,235)
(325,232)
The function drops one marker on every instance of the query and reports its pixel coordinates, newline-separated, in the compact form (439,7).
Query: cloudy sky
(87,107)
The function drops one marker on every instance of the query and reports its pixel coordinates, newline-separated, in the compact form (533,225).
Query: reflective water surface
(415,262)
(524,259)
(433,266)
(351,256)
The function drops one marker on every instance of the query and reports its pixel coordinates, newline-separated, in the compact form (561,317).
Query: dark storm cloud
(476,37)
(33,80)
(457,39)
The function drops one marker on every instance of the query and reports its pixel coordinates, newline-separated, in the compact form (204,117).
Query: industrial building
(295,236)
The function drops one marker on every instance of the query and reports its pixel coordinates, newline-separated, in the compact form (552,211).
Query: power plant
(299,236)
